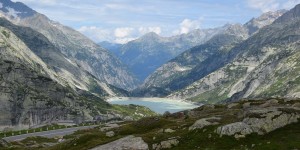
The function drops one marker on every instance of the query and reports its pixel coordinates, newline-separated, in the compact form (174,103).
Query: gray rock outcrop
(165,144)
(201,123)
(296,105)
(3,143)
(234,128)
(110,134)
(127,143)
(109,127)
(232,105)
(271,121)
(269,103)
(261,121)
(169,130)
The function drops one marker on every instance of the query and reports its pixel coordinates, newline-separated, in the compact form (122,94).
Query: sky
(120,21)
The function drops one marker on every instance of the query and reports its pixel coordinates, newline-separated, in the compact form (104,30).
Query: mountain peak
(293,14)
(263,20)
(151,35)
(15,9)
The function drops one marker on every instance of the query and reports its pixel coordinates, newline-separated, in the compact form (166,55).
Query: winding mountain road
(48,134)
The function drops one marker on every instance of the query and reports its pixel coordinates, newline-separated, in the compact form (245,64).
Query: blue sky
(124,20)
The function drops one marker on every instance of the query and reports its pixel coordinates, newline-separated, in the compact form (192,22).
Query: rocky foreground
(247,124)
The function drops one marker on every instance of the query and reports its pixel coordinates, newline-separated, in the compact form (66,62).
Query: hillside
(247,124)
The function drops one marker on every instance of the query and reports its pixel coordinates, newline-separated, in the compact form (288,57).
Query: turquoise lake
(159,105)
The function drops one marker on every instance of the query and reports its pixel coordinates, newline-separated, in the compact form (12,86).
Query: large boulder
(201,123)
(232,105)
(235,128)
(272,120)
(129,143)
(165,144)
(3,143)
(110,134)
(261,121)
(246,105)
(297,105)
(269,103)
(109,127)
(169,130)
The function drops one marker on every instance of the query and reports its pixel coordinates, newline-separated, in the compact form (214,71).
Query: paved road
(49,134)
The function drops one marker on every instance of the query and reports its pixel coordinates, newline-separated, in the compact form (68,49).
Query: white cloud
(12,12)
(43,2)
(118,35)
(123,32)
(290,4)
(126,34)
(144,30)
(124,40)
(187,25)
(1,5)
(264,5)
(272,5)
(129,6)
(97,34)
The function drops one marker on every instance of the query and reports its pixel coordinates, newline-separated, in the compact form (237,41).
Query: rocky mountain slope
(192,64)
(265,19)
(247,124)
(265,66)
(76,47)
(150,51)
(30,93)
(33,91)
(67,72)
(198,62)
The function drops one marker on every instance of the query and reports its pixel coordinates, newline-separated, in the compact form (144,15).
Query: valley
(89,82)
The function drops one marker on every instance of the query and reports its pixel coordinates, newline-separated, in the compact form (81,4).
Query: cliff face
(37,84)
(87,54)
(67,72)
(28,95)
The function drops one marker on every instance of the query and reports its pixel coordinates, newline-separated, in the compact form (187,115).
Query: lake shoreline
(155,103)
(150,99)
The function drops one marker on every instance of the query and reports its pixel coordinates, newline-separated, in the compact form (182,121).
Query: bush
(167,114)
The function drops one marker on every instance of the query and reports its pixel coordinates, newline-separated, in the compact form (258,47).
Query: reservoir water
(159,105)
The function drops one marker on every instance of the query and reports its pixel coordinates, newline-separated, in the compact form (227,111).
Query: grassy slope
(149,129)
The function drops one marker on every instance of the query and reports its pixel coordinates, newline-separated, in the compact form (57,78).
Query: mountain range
(264,65)
(150,52)
(145,54)
(201,60)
